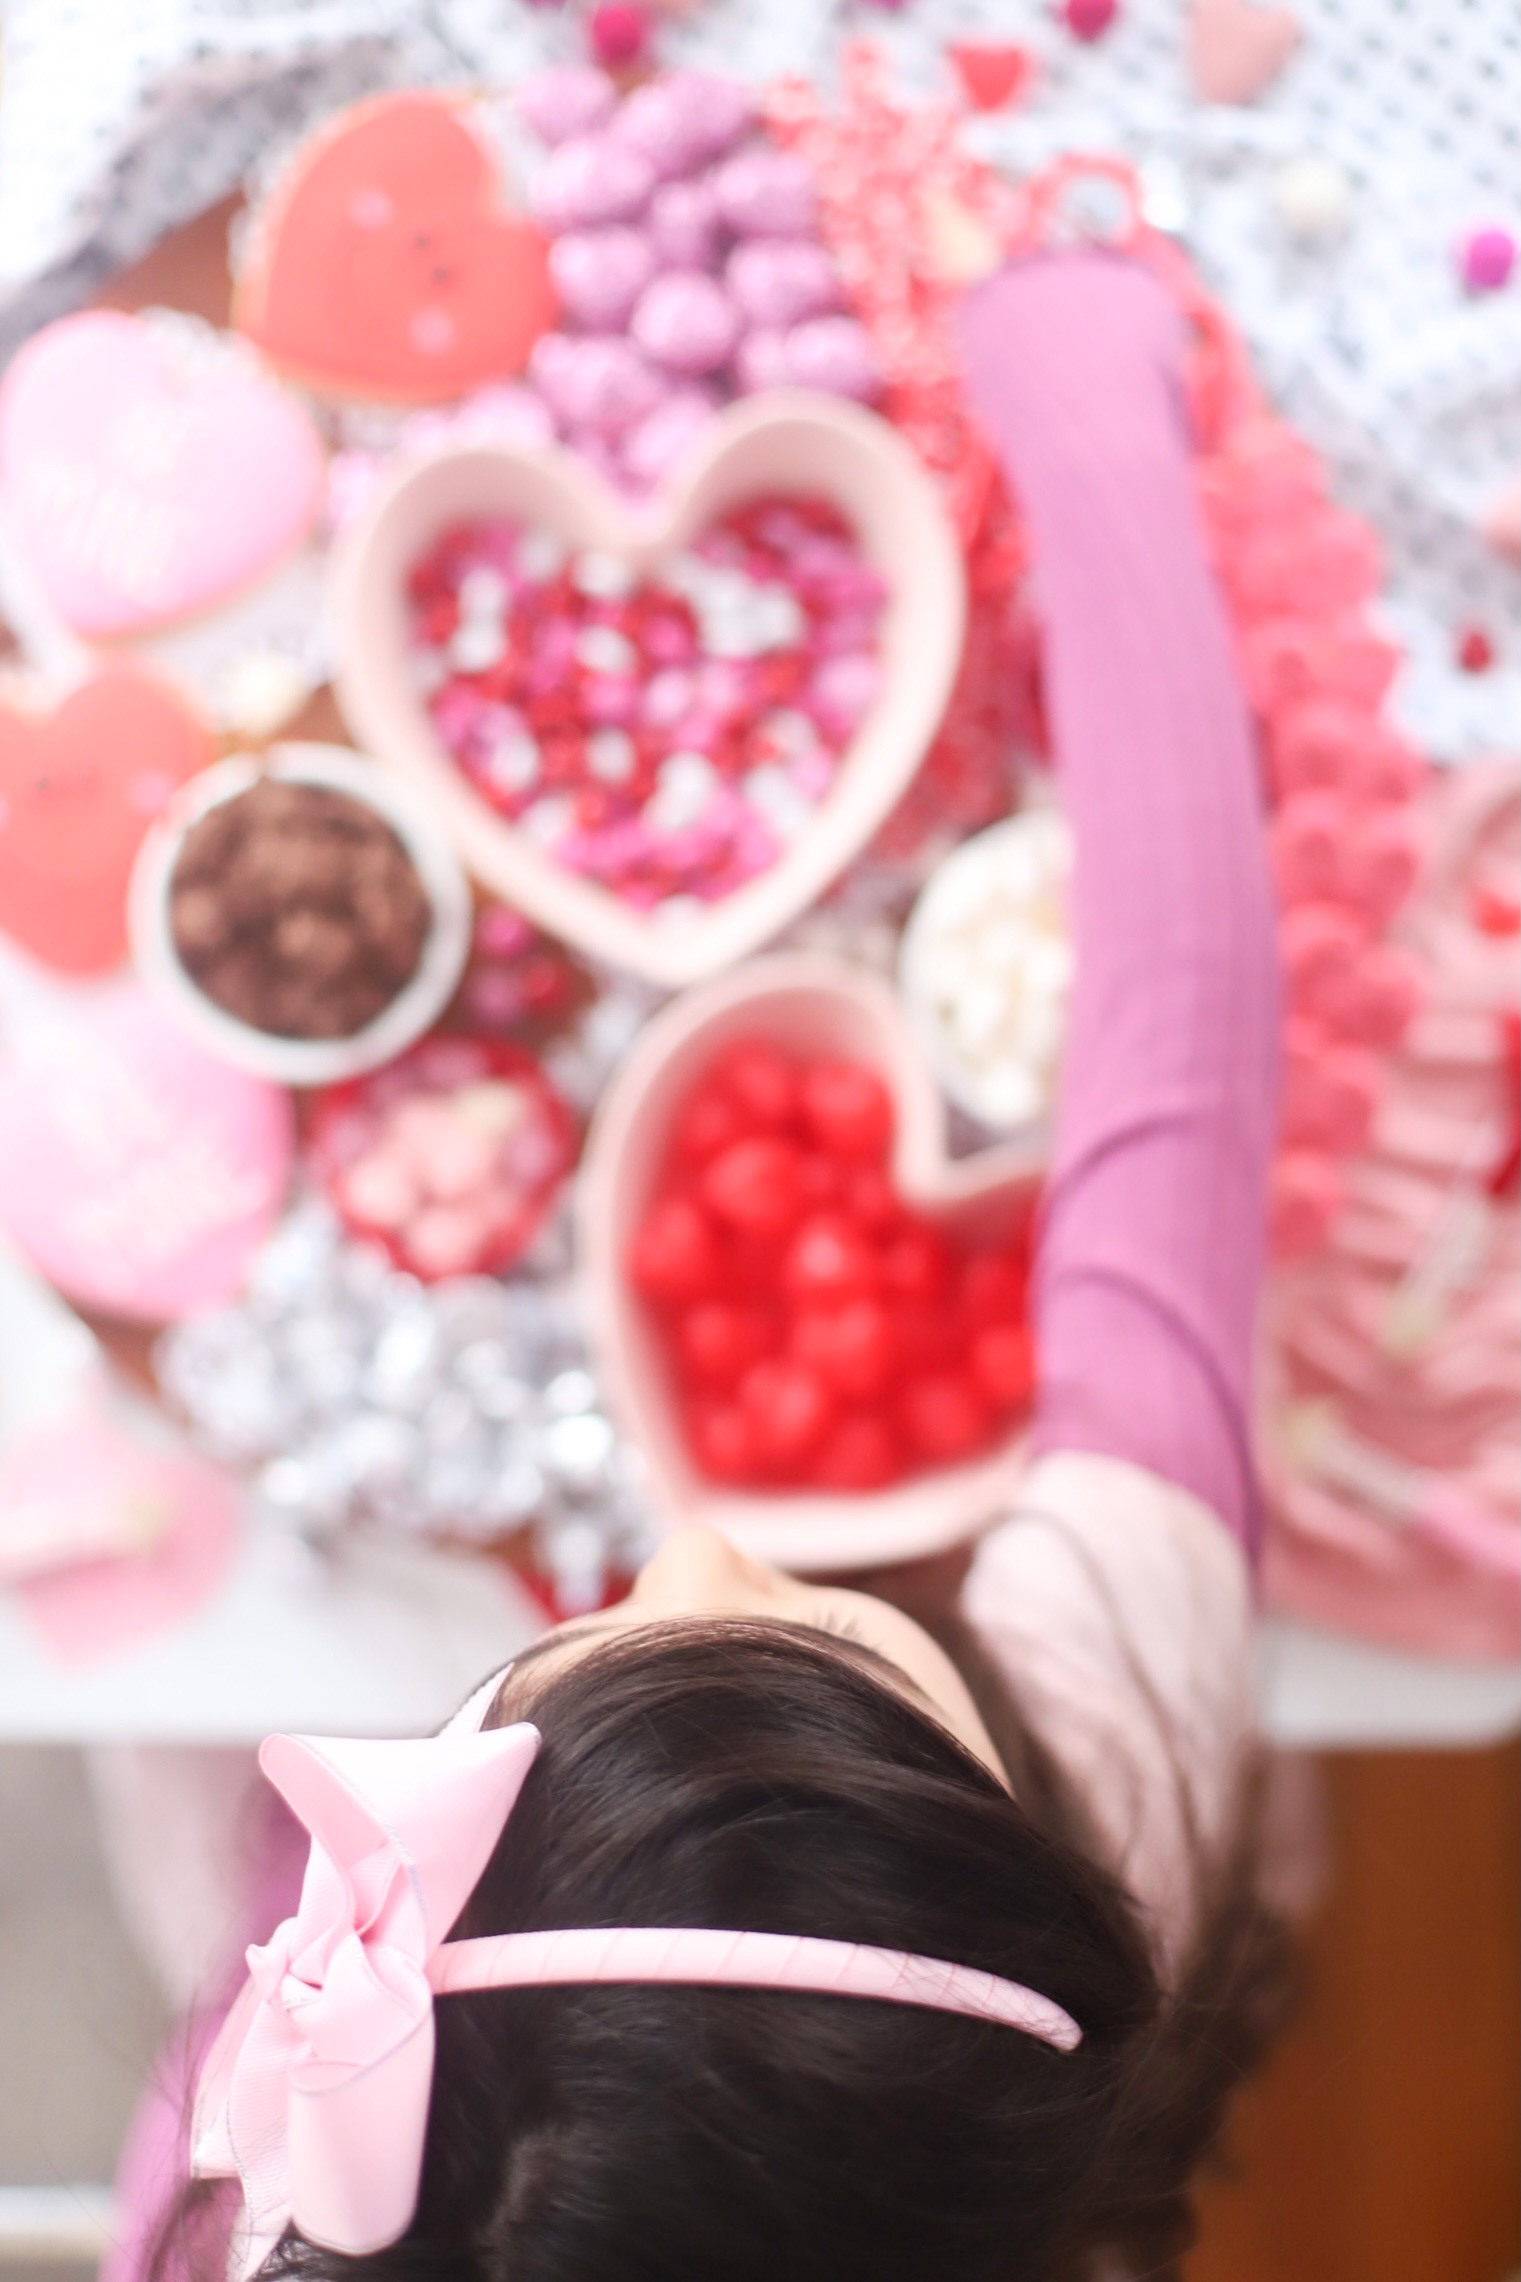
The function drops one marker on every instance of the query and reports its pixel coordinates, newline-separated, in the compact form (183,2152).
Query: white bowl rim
(304,1061)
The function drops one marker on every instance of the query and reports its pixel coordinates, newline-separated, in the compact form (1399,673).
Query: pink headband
(315,2093)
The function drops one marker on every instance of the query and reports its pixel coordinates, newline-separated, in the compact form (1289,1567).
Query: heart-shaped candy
(386,264)
(1237,48)
(146,474)
(818,1010)
(137,1173)
(795,443)
(78,789)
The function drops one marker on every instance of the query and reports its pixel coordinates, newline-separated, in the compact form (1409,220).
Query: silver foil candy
(464,1410)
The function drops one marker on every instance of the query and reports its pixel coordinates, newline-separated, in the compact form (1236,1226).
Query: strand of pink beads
(665,737)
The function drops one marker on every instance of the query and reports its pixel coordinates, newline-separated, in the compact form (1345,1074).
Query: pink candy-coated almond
(600,274)
(686,322)
(560,104)
(601,383)
(684,224)
(662,439)
(592,180)
(835,354)
(779,281)
(761,361)
(766,193)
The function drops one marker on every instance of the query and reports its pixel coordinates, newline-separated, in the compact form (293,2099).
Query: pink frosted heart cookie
(137,1172)
(148,471)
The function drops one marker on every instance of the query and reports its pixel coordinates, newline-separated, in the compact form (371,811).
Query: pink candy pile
(688,264)
(666,738)
(448,1158)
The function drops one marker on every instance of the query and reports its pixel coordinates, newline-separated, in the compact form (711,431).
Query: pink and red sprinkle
(665,737)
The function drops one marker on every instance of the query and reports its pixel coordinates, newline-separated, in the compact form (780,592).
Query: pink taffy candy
(652,448)
(684,224)
(777,281)
(601,382)
(766,193)
(560,104)
(686,322)
(592,179)
(600,274)
(761,361)
(835,354)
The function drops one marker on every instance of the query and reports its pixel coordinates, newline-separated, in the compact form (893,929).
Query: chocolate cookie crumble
(297,909)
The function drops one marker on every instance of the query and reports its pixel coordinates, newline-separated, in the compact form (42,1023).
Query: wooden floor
(1383,2143)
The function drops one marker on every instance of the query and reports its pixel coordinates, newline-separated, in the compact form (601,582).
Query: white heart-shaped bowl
(813,1006)
(791,441)
(303,1061)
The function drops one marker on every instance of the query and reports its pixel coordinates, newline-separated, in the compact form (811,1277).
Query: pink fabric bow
(316,2091)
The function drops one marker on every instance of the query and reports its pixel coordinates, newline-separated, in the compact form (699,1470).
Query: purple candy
(686,322)
(778,281)
(684,225)
(559,104)
(764,193)
(590,180)
(761,361)
(600,274)
(600,382)
(665,436)
(835,354)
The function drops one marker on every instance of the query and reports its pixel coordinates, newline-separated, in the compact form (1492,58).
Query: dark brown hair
(730,1773)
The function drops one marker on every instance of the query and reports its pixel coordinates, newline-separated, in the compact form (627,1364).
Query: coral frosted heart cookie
(137,1172)
(386,264)
(78,789)
(148,470)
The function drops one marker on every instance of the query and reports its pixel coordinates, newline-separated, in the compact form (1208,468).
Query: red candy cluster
(823,1335)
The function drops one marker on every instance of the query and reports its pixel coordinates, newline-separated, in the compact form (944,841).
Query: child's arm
(1153,1240)
(1114,1601)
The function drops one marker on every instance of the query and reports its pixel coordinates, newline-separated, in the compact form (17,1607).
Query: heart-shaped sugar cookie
(137,1172)
(386,264)
(79,787)
(814,1007)
(146,474)
(791,442)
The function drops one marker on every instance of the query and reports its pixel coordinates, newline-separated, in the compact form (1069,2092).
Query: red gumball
(707,1123)
(855,1347)
(914,1264)
(861,1453)
(869,1197)
(718,1340)
(828,1259)
(848,1109)
(756,1185)
(761,1081)
(674,1256)
(789,1407)
(724,1442)
(1002,1358)
(944,1417)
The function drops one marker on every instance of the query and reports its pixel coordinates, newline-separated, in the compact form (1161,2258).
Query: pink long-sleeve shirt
(1116,1599)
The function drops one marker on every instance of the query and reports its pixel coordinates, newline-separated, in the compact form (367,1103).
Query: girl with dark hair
(746,1931)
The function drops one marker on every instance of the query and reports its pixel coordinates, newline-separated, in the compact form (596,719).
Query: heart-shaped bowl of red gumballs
(811,1317)
(659,729)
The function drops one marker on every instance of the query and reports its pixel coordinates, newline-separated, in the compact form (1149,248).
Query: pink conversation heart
(138,1173)
(143,481)
(1237,48)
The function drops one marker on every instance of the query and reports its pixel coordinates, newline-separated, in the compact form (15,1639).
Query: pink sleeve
(1152,1249)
